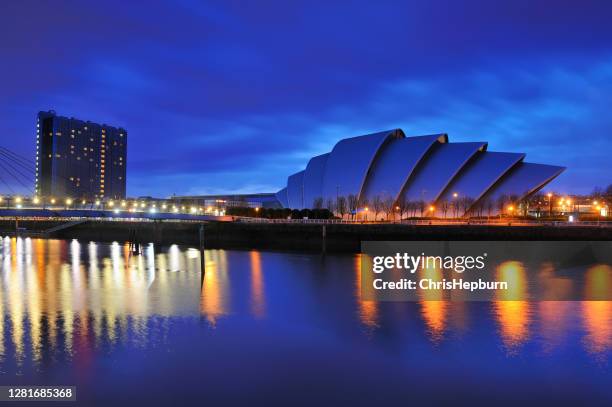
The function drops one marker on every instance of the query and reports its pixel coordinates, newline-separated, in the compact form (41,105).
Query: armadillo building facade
(430,169)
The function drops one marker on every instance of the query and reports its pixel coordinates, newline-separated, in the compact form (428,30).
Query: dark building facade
(79,159)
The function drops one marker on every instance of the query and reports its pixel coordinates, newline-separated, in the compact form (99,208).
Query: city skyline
(239,98)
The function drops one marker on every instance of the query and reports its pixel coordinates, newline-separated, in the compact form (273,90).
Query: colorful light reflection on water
(269,325)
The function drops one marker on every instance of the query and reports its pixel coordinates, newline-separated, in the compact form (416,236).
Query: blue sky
(235,96)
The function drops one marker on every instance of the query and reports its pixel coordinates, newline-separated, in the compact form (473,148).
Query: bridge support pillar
(202,257)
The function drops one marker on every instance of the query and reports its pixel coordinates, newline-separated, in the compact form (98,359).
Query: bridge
(110,215)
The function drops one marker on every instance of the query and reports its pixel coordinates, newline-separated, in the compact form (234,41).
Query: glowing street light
(111,204)
(18,199)
(123,203)
(83,202)
(455,195)
(52,201)
(68,201)
(35,200)
(98,203)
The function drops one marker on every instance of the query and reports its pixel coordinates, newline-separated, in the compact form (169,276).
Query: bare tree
(421,207)
(377,205)
(464,204)
(490,206)
(413,206)
(501,204)
(363,203)
(387,205)
(341,206)
(444,205)
(352,205)
(330,205)
(317,203)
(402,204)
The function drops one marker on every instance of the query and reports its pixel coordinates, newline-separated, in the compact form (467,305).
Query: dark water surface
(279,329)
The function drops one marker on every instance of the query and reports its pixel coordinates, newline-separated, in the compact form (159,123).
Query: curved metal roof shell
(313,179)
(438,169)
(480,174)
(523,180)
(349,162)
(295,190)
(395,163)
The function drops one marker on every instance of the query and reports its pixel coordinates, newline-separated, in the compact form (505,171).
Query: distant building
(79,159)
(261,200)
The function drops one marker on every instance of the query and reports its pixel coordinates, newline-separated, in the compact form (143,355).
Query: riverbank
(308,237)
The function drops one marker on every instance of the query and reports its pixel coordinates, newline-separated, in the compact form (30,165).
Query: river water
(278,328)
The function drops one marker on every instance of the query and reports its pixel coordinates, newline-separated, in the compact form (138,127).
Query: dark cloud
(236,95)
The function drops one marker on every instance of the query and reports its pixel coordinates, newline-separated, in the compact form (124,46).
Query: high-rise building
(79,159)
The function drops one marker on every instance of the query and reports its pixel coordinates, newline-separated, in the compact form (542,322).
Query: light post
(366,209)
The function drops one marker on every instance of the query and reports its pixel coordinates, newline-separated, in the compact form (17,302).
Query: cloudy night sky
(234,96)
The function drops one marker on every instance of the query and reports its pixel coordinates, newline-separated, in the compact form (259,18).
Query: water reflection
(215,294)
(367,310)
(258,300)
(64,300)
(434,308)
(512,312)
